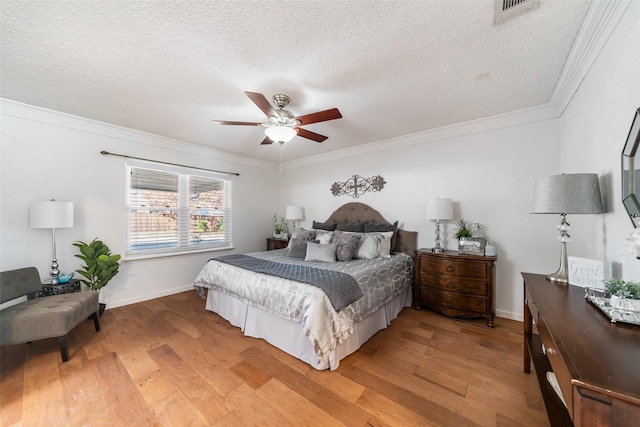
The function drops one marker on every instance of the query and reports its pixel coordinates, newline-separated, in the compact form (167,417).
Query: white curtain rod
(165,163)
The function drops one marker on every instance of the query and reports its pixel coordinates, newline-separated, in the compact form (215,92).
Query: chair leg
(64,351)
(96,320)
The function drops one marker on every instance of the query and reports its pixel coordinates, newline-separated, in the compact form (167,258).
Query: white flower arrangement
(632,245)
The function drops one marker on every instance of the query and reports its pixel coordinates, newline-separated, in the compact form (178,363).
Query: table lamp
(439,210)
(564,194)
(52,215)
(293,213)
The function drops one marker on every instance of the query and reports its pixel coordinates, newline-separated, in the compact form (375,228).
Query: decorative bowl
(64,278)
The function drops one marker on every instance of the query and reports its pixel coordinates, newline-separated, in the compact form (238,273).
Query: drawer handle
(551,351)
(450,268)
(450,285)
(449,302)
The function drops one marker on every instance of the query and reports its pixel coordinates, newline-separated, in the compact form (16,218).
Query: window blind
(176,210)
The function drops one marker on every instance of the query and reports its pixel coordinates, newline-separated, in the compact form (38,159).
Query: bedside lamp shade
(52,215)
(293,213)
(439,210)
(566,194)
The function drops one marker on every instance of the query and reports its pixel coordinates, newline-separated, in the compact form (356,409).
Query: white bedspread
(380,281)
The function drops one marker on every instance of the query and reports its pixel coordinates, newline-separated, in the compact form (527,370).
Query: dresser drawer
(454,267)
(555,359)
(454,304)
(456,284)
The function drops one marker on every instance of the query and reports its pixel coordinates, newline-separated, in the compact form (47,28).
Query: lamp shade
(577,193)
(293,212)
(280,133)
(439,209)
(51,214)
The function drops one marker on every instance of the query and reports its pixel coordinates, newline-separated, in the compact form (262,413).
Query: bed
(318,325)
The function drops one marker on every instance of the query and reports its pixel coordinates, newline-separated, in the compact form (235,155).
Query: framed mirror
(631,172)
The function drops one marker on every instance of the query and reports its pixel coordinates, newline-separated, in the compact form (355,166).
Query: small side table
(48,289)
(276,243)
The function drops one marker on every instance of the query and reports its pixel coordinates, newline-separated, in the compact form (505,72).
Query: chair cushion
(46,317)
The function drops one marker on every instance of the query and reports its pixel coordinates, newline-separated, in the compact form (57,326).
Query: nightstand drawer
(463,304)
(454,284)
(454,267)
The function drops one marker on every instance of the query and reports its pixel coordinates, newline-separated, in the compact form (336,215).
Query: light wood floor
(168,362)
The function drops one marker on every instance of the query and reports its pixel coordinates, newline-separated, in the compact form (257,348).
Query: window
(176,209)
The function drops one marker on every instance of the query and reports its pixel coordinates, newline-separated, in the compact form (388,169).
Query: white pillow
(369,246)
(324,237)
(321,252)
(385,244)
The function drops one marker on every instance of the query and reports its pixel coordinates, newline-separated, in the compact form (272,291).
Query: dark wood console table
(597,363)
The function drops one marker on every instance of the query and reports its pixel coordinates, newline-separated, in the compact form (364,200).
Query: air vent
(508,9)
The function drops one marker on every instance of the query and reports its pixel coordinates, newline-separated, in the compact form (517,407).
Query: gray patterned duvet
(380,281)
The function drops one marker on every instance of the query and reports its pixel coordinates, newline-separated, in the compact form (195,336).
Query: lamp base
(558,277)
(437,250)
(562,274)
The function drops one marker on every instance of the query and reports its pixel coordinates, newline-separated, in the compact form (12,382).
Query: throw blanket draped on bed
(341,288)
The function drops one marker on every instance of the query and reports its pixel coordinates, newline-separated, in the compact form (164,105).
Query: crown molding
(24,111)
(601,20)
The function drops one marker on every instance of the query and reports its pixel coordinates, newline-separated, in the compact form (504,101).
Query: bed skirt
(288,335)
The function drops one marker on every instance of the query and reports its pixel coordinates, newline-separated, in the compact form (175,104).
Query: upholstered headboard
(406,241)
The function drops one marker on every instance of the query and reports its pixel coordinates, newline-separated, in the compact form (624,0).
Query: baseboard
(147,297)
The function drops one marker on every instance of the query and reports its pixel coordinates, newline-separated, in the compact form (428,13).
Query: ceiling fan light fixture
(281,134)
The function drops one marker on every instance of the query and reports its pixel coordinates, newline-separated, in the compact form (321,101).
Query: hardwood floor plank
(125,403)
(170,362)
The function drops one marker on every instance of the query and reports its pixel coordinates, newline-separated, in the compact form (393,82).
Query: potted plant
(278,226)
(464,229)
(100,266)
(624,295)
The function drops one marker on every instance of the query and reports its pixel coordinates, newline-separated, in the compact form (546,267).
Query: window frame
(184,244)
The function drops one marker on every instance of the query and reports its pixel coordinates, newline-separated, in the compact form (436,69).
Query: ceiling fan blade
(320,116)
(224,122)
(266,141)
(311,135)
(262,103)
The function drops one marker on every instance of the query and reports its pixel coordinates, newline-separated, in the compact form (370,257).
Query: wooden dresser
(456,285)
(597,363)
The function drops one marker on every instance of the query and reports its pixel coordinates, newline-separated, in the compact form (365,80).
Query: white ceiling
(393,68)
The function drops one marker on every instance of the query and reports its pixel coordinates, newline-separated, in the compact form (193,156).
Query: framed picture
(472,246)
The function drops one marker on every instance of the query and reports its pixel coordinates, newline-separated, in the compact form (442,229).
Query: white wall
(593,130)
(47,155)
(488,175)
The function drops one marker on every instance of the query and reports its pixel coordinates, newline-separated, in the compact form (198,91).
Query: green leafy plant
(464,228)
(623,289)
(100,266)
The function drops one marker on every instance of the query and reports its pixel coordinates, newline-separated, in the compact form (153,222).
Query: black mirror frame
(629,175)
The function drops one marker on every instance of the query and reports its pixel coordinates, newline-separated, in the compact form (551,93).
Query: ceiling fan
(281,125)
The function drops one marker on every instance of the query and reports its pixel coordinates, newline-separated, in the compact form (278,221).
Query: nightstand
(72,285)
(456,285)
(276,243)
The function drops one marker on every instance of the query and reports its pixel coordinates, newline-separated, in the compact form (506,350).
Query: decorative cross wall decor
(357,185)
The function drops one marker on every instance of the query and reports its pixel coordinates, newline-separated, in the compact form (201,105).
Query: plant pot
(625,303)
(277,235)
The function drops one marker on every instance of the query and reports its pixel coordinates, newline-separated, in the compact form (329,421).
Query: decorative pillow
(302,234)
(297,248)
(357,227)
(324,226)
(321,252)
(371,226)
(324,237)
(385,244)
(368,246)
(346,245)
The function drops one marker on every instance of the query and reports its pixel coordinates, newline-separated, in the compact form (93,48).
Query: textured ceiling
(392,67)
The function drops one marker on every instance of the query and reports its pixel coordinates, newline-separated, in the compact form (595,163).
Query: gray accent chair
(45,317)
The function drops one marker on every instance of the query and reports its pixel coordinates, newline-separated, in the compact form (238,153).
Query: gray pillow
(318,252)
(297,248)
(346,245)
(357,227)
(371,226)
(324,226)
